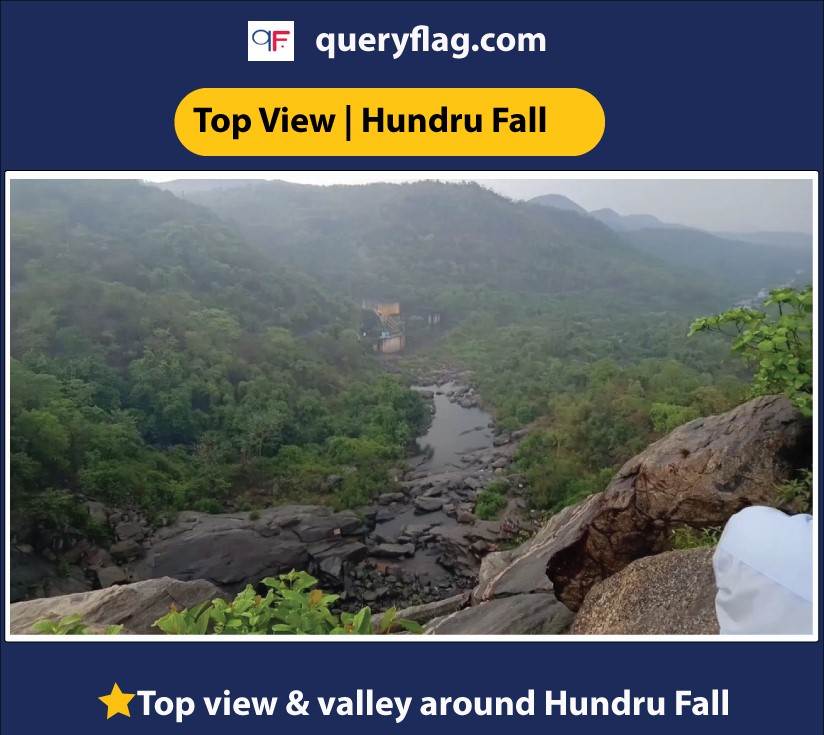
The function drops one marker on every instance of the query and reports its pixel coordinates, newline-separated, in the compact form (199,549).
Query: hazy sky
(740,205)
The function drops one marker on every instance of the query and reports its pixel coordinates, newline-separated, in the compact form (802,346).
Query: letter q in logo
(271,40)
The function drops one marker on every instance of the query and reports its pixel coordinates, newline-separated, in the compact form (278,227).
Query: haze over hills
(449,246)
(207,352)
(616,221)
(749,261)
(559,201)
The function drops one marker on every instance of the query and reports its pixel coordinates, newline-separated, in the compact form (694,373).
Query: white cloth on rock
(764,573)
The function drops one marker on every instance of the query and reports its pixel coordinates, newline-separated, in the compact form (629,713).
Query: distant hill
(748,266)
(616,221)
(97,237)
(797,240)
(453,247)
(184,187)
(559,201)
(748,262)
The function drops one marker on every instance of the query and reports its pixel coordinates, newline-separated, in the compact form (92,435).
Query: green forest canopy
(164,358)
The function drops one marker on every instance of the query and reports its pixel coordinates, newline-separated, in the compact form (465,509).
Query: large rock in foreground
(669,594)
(538,614)
(233,550)
(699,475)
(134,606)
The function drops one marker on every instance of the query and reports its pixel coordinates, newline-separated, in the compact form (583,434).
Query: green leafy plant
(70,625)
(389,623)
(798,493)
(491,501)
(291,606)
(777,341)
(514,540)
(687,537)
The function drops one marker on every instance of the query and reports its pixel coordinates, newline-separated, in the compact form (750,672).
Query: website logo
(271,40)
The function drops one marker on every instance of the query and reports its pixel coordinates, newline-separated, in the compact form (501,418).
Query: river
(454,432)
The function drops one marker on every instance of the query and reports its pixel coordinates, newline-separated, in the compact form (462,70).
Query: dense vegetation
(159,360)
(164,358)
(454,248)
(596,391)
(777,340)
(292,605)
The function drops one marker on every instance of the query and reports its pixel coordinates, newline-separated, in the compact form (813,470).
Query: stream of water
(454,432)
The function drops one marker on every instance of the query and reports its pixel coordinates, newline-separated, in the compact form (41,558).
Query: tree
(777,341)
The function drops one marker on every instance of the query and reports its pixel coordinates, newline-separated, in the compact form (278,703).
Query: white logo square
(271,40)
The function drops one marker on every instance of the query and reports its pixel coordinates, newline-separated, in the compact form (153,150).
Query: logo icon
(271,40)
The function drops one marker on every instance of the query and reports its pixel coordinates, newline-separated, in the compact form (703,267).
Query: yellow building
(384,309)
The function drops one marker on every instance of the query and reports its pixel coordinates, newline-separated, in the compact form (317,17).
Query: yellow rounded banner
(389,122)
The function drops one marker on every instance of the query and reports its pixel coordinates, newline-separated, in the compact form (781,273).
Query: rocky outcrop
(699,475)
(34,576)
(424,613)
(668,594)
(136,606)
(523,570)
(233,550)
(537,614)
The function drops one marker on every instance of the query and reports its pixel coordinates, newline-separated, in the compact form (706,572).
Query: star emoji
(117,702)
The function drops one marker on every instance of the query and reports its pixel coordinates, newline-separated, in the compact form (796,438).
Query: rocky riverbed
(420,542)
(601,566)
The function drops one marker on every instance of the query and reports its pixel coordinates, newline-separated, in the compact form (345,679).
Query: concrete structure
(391,339)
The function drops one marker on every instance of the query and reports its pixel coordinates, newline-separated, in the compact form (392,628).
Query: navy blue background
(701,85)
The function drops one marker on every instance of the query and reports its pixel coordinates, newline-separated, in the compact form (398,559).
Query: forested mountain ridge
(158,359)
(455,248)
(748,267)
(744,263)
(148,240)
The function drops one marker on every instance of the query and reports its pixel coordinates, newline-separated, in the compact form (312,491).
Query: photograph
(431,405)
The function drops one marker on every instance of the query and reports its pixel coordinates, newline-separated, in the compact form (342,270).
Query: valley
(196,394)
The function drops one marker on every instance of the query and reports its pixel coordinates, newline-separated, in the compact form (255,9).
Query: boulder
(699,475)
(108,576)
(668,594)
(387,498)
(428,505)
(455,545)
(330,570)
(33,576)
(519,615)
(393,551)
(523,570)
(424,613)
(232,550)
(125,551)
(135,606)
(128,530)
(347,550)
(464,516)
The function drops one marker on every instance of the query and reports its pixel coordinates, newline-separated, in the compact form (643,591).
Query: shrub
(492,500)
(778,342)
(70,625)
(687,537)
(291,606)
(798,493)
